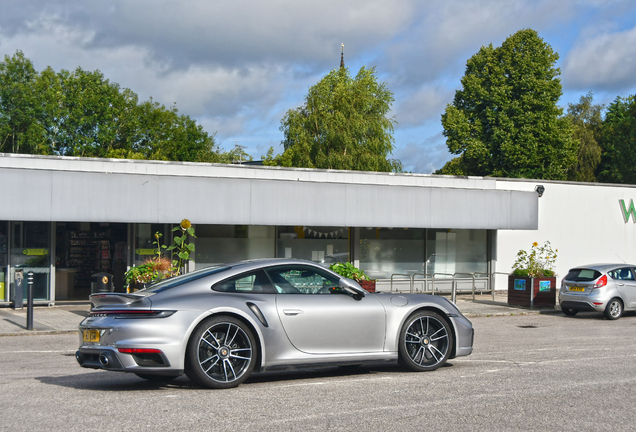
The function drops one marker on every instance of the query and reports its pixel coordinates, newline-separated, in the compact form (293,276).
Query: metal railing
(412,277)
(403,274)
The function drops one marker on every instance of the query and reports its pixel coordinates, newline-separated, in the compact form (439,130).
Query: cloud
(426,156)
(423,106)
(603,62)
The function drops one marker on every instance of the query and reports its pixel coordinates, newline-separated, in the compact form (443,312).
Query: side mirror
(352,287)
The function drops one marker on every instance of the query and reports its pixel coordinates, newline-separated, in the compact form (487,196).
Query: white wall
(583,221)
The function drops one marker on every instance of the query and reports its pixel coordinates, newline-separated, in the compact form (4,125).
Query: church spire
(342,55)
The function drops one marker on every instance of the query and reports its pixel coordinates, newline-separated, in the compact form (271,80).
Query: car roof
(603,267)
(266,262)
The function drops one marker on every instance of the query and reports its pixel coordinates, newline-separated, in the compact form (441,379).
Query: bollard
(30,302)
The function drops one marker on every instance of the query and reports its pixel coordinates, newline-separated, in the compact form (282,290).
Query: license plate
(91,335)
(580,289)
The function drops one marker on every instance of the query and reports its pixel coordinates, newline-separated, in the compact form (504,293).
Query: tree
(343,124)
(618,161)
(19,106)
(81,113)
(504,122)
(587,123)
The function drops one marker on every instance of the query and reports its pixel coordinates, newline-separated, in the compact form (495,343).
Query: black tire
(614,309)
(569,311)
(426,340)
(221,353)
(157,378)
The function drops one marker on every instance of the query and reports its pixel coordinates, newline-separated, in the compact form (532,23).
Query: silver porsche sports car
(221,323)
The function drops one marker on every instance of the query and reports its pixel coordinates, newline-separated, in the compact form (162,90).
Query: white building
(68,218)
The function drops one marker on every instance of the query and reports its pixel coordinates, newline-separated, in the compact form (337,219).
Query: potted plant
(350,271)
(533,281)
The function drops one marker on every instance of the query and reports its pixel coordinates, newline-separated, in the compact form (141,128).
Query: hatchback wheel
(570,311)
(425,341)
(614,309)
(221,353)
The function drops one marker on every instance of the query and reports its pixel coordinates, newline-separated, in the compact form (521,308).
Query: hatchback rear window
(582,275)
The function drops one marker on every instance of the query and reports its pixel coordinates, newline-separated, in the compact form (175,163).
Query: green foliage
(587,123)
(504,122)
(81,113)
(539,262)
(181,249)
(350,271)
(161,267)
(342,125)
(618,161)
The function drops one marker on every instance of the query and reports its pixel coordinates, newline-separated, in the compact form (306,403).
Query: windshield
(167,284)
(582,275)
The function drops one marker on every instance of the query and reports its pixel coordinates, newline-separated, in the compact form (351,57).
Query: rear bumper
(109,358)
(582,306)
(586,302)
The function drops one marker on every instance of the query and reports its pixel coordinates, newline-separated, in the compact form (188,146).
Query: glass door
(31,252)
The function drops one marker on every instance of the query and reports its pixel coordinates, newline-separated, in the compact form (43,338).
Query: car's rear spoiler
(117,299)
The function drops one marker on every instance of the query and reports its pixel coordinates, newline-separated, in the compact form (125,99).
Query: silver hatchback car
(607,288)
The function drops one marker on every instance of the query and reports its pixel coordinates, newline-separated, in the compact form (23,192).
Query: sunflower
(535,244)
(185,224)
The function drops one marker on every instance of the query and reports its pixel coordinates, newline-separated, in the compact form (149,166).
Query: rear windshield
(167,284)
(582,275)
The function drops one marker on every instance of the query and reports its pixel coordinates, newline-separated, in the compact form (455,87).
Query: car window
(582,275)
(621,274)
(174,282)
(253,282)
(302,280)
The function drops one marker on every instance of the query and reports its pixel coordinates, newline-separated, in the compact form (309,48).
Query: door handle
(292,312)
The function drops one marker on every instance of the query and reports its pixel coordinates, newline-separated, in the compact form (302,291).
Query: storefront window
(387,251)
(217,244)
(144,238)
(324,245)
(30,252)
(457,251)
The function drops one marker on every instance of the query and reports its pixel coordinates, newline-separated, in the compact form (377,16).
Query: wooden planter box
(530,292)
(368,285)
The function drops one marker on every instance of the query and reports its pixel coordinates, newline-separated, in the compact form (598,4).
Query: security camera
(539,189)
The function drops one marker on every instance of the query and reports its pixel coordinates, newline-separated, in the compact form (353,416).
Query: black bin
(101,282)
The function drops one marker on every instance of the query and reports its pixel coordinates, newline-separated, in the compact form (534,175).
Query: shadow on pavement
(114,381)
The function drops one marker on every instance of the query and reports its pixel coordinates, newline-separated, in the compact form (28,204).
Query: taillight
(601,282)
(130,313)
(139,351)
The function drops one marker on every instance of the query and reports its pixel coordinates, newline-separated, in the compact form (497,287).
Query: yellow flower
(535,244)
(157,236)
(185,224)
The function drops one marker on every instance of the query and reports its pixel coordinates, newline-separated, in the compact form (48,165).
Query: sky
(236,66)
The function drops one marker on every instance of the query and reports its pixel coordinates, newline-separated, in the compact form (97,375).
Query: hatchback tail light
(601,282)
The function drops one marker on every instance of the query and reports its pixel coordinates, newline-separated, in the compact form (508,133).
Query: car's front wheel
(570,311)
(614,309)
(221,353)
(425,341)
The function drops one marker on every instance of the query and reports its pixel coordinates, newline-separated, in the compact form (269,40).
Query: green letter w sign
(628,211)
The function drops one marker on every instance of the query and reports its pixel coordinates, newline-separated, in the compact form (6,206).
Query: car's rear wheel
(157,378)
(570,311)
(425,341)
(221,353)
(614,309)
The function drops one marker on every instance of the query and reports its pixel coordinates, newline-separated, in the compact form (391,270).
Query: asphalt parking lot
(527,372)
